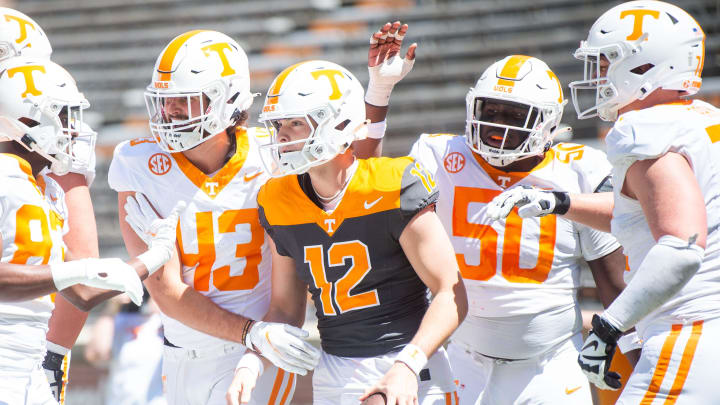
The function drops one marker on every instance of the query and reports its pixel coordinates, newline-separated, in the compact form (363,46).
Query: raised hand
(385,66)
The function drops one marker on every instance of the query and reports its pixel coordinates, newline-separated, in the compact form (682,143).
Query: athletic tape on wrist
(413,357)
(56,348)
(252,362)
(376,130)
(629,342)
(153,259)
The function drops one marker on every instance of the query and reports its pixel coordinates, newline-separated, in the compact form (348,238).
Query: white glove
(108,274)
(597,353)
(384,77)
(531,202)
(158,233)
(284,345)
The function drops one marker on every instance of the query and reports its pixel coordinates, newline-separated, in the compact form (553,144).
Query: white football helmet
(643,45)
(526,84)
(329,98)
(199,87)
(21,36)
(42,109)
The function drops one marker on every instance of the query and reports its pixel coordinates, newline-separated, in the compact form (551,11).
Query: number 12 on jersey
(338,292)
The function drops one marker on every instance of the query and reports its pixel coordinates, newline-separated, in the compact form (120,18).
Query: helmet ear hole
(341,126)
(642,69)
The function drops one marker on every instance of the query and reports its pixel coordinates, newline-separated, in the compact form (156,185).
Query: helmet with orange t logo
(200,85)
(20,35)
(634,49)
(325,97)
(42,109)
(514,110)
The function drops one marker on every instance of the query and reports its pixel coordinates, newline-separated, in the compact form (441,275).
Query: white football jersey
(521,275)
(32,223)
(691,129)
(224,253)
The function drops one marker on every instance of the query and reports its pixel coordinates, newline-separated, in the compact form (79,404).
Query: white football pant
(342,380)
(30,388)
(551,378)
(678,365)
(202,377)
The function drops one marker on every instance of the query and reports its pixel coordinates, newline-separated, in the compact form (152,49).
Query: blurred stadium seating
(110,47)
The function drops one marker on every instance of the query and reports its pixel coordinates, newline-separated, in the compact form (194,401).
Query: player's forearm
(371,146)
(86,298)
(593,210)
(19,282)
(282,314)
(197,311)
(447,310)
(81,240)
(66,322)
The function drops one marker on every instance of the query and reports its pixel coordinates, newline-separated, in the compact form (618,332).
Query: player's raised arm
(386,68)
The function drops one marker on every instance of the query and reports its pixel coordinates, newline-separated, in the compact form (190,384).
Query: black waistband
(167,343)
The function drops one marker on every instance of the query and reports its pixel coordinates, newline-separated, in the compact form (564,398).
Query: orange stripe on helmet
(510,71)
(277,84)
(168,57)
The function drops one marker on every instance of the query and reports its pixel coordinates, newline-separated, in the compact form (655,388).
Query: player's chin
(377,398)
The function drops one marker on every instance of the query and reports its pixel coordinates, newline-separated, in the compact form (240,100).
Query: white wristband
(413,357)
(252,362)
(154,259)
(56,348)
(629,342)
(376,130)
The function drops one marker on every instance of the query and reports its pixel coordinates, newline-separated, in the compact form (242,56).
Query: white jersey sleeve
(123,175)
(422,152)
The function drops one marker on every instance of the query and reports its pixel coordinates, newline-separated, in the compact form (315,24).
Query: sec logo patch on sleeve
(454,162)
(159,164)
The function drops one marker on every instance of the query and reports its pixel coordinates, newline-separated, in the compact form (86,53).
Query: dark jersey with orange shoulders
(368,298)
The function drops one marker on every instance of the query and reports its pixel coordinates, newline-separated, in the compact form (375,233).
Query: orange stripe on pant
(449,398)
(664,362)
(288,389)
(276,386)
(684,367)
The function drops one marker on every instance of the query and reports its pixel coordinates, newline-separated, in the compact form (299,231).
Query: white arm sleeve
(666,269)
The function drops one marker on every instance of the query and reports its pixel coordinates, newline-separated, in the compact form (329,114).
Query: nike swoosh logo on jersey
(569,391)
(368,205)
(251,177)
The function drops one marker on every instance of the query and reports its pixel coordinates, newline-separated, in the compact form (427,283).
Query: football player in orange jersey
(22,36)
(522,335)
(643,59)
(363,236)
(40,124)
(202,150)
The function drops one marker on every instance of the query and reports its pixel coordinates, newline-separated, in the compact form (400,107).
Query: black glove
(597,353)
(53,370)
